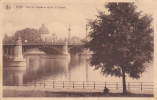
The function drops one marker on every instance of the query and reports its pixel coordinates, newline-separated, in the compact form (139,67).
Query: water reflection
(13,75)
(59,68)
(45,67)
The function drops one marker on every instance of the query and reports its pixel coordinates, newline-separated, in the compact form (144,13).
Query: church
(44,33)
(46,37)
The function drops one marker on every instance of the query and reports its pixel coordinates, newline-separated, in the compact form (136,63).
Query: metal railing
(44,43)
(91,85)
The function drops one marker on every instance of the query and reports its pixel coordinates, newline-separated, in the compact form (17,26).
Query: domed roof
(43,30)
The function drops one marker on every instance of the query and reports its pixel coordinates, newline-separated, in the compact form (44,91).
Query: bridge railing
(43,43)
(90,85)
(9,43)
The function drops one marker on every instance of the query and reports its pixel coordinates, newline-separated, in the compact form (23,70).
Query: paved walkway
(50,89)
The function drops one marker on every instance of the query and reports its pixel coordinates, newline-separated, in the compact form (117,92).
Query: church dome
(43,30)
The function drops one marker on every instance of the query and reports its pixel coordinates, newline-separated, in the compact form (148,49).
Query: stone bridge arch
(76,49)
(45,49)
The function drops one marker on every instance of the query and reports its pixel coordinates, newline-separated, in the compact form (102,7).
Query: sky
(57,20)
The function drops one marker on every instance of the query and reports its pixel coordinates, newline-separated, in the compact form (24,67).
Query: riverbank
(54,92)
(37,93)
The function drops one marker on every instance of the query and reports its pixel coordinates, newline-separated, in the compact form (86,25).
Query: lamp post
(40,40)
(86,32)
(25,41)
(69,32)
(5,36)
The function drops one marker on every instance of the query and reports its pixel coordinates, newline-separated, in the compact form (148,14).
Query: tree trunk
(123,79)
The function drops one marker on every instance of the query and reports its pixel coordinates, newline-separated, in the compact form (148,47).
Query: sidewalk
(51,89)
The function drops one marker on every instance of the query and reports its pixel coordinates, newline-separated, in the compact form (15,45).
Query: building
(54,38)
(75,39)
(44,32)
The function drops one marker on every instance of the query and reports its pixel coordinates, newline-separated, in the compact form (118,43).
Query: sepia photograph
(78,49)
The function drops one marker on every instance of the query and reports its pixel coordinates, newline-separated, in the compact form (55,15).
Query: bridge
(18,49)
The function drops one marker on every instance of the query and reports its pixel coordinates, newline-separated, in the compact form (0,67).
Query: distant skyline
(57,20)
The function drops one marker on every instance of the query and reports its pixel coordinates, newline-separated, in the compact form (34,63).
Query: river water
(59,68)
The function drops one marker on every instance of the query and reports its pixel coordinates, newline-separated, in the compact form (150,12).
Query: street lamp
(40,40)
(26,41)
(5,36)
(69,33)
(86,31)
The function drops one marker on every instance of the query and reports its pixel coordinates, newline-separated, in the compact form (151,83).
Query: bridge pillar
(65,49)
(18,50)
(18,59)
(86,51)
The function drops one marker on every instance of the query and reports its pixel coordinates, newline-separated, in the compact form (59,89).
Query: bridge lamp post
(26,41)
(29,38)
(40,40)
(5,37)
(69,33)
(86,31)
(53,40)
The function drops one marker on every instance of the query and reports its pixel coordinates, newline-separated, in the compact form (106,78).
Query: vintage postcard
(76,49)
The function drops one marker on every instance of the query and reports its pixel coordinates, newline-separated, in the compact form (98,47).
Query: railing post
(128,86)
(63,84)
(73,84)
(53,85)
(44,84)
(105,84)
(17,84)
(141,85)
(83,84)
(94,85)
(35,84)
(117,85)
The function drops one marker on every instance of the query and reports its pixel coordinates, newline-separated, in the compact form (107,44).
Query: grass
(37,93)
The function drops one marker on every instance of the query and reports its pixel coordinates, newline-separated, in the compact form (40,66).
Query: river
(59,68)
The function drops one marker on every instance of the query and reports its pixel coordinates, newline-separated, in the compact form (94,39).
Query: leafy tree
(121,41)
(8,39)
(31,35)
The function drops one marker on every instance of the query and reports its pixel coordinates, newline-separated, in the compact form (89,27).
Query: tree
(31,35)
(121,41)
